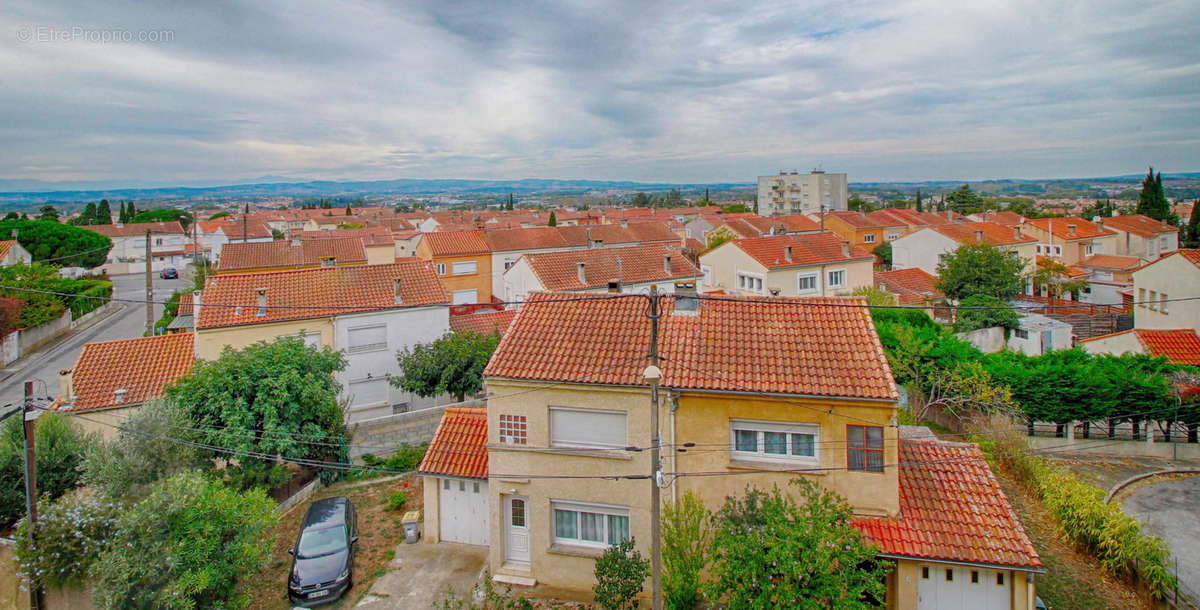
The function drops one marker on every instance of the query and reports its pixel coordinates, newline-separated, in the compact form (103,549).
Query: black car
(170,273)
(323,558)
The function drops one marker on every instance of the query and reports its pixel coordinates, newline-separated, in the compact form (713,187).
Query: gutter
(992,566)
(543,386)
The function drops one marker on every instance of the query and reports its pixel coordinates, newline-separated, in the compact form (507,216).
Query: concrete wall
(33,338)
(986,340)
(1116,447)
(210,341)
(376,436)
(1175,276)
(1124,343)
(727,260)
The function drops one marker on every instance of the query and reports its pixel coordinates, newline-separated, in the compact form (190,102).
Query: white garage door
(463,511)
(950,587)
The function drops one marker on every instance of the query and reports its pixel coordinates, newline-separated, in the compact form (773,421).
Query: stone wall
(380,436)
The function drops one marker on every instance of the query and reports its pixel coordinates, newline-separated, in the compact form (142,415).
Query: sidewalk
(18,365)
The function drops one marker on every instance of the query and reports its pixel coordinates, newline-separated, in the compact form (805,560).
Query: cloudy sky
(217,91)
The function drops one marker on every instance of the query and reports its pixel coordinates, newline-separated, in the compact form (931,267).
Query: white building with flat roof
(796,193)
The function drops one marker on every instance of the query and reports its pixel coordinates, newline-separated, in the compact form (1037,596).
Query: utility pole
(149,288)
(29,415)
(653,375)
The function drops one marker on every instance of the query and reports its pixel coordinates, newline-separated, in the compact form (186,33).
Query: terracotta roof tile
(781,345)
(1180,345)
(533,238)
(951,509)
(1061,227)
(909,285)
(1138,225)
(1006,218)
(459,447)
(1111,261)
(483,323)
(238,256)
(982,232)
(141,366)
(629,265)
(807,249)
(369,236)
(859,220)
(134,230)
(5,246)
(454,243)
(314,293)
(185,304)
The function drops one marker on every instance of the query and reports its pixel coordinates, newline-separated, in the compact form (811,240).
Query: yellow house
(1070,239)
(816,264)
(463,260)
(754,391)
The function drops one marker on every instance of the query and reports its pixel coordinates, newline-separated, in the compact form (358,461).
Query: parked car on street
(170,273)
(323,557)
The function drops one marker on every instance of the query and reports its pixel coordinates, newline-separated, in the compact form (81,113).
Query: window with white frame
(366,338)
(463,268)
(837,278)
(311,339)
(368,392)
(1141,297)
(806,282)
(1153,300)
(868,238)
(588,428)
(776,441)
(588,524)
(1021,334)
(1162,302)
(441,268)
(749,281)
(892,236)
(509,262)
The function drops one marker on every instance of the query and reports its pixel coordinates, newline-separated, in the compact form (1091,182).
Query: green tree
(918,206)
(12,216)
(1189,237)
(1054,277)
(673,199)
(130,211)
(770,551)
(271,399)
(103,213)
(858,204)
(127,465)
(553,222)
(1152,201)
(163,215)
(995,313)
(218,215)
(735,208)
(86,217)
(123,216)
(63,245)
(452,364)
(884,253)
(349,210)
(71,533)
(510,202)
(641,200)
(874,296)
(980,269)
(620,575)
(965,201)
(60,447)
(203,538)
(686,537)
(49,213)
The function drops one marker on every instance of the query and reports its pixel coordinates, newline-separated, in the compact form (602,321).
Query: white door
(462,511)
(950,587)
(516,529)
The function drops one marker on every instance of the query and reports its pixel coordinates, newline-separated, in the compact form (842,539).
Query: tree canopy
(964,200)
(49,213)
(980,269)
(60,448)
(1189,237)
(452,364)
(1152,201)
(163,215)
(59,244)
(998,313)
(278,396)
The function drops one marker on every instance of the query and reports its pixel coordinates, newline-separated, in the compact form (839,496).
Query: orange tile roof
(859,220)
(1006,218)
(1138,225)
(883,219)
(807,249)
(651,231)
(5,246)
(369,236)
(629,265)
(533,238)
(814,346)
(252,230)
(185,304)
(139,229)
(1179,345)
(1111,261)
(483,323)
(316,293)
(455,243)
(951,509)
(909,285)
(991,233)
(1190,255)
(1084,229)
(141,366)
(459,447)
(237,256)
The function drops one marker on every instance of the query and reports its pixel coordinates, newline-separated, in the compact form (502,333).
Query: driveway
(1169,510)
(422,573)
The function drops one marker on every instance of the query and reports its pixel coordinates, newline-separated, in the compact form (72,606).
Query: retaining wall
(380,436)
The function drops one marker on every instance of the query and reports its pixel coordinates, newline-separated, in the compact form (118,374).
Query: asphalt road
(43,365)
(1169,510)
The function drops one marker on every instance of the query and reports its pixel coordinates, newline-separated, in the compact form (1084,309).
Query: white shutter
(368,392)
(587,428)
(367,338)
(463,268)
(465,297)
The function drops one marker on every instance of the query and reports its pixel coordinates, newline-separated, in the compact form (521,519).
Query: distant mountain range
(21,193)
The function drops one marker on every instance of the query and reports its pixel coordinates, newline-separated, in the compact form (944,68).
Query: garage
(952,586)
(463,511)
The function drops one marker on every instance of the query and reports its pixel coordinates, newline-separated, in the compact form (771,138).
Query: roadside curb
(8,371)
(1146,475)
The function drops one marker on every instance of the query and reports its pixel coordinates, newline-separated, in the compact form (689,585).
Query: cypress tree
(1190,236)
(1152,201)
(88,216)
(121,216)
(131,211)
(104,213)
(553,222)
(919,201)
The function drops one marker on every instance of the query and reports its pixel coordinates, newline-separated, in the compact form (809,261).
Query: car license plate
(317,594)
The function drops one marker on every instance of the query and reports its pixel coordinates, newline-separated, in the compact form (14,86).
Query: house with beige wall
(925,249)
(568,402)
(633,269)
(1173,276)
(816,264)
(1141,236)
(1070,239)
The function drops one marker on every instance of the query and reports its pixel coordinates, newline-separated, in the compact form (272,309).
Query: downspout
(674,398)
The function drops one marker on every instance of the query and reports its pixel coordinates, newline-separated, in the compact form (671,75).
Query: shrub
(62,245)
(974,319)
(620,575)
(72,532)
(396,501)
(686,535)
(60,448)
(406,459)
(127,464)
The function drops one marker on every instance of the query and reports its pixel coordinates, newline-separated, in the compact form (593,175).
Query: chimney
(1017,233)
(66,386)
(686,302)
(118,396)
(979,235)
(262,302)
(845,248)
(614,286)
(295,240)
(624,223)
(667,264)
(787,253)
(1164,224)
(396,291)
(949,214)
(580,269)
(1071,230)
(1100,223)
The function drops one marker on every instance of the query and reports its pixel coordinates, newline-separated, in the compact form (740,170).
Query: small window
(1021,334)
(1141,297)
(1153,300)
(475,487)
(591,428)
(590,525)
(757,440)
(462,485)
(513,429)
(366,338)
(925,572)
(518,512)
(949,575)
(446,484)
(837,278)
(806,282)
(974,577)
(869,238)
(1000,579)
(892,236)
(864,449)
(1162,302)
(441,268)
(749,282)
